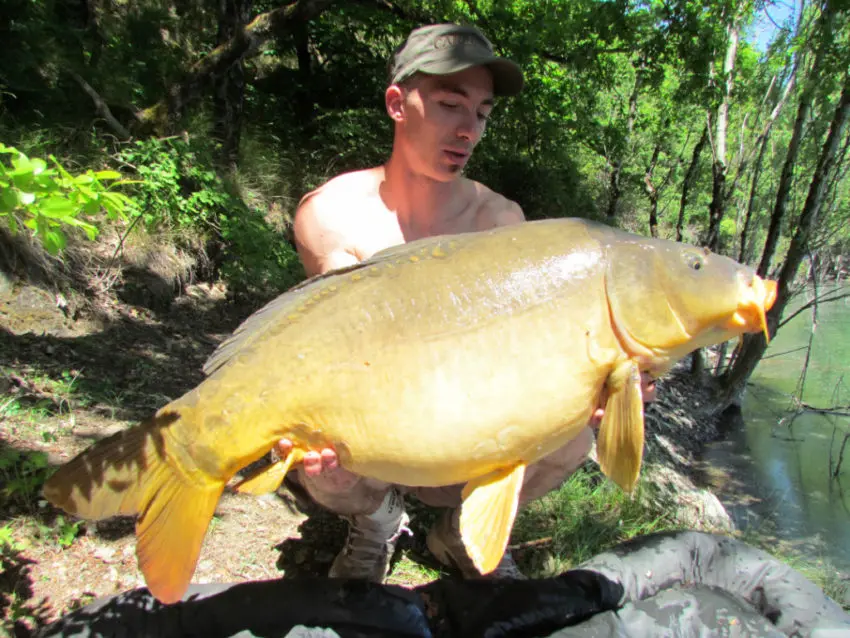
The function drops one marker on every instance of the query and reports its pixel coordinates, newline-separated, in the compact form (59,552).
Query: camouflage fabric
(677,584)
(678,611)
(658,562)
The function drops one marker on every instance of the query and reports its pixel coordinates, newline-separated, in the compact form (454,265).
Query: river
(775,480)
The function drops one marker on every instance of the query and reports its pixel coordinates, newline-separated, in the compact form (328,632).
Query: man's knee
(362,497)
(447,496)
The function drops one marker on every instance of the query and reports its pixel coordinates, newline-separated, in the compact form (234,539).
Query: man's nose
(470,128)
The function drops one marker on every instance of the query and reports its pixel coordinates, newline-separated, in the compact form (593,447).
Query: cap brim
(507,76)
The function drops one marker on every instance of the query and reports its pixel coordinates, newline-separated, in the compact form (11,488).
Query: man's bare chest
(382,229)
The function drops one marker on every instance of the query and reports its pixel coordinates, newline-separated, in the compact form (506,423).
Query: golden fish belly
(443,410)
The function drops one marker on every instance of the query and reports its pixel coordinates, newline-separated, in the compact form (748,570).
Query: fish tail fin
(130,473)
(620,441)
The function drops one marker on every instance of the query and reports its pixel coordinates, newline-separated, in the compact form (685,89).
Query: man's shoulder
(494,209)
(333,201)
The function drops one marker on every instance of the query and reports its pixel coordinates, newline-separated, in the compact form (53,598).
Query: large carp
(452,359)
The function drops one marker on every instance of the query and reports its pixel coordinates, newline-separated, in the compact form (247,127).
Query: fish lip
(771,291)
(758,297)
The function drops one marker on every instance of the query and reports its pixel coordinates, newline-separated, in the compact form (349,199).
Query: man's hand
(322,467)
(647,387)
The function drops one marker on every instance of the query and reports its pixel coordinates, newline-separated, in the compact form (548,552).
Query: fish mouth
(751,315)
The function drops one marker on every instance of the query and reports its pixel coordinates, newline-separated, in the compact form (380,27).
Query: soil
(72,373)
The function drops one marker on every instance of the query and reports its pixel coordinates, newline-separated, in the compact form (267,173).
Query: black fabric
(666,584)
(519,608)
(274,608)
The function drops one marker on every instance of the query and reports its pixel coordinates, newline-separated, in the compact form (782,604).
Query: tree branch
(825,299)
(245,43)
(101,108)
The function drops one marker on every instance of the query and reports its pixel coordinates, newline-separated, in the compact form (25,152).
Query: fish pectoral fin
(619,443)
(487,515)
(268,479)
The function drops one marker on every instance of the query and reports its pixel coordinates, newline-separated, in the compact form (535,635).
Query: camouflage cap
(440,49)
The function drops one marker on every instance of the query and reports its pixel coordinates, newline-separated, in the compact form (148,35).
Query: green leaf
(54,241)
(38,166)
(57,207)
(87,192)
(14,224)
(107,175)
(8,199)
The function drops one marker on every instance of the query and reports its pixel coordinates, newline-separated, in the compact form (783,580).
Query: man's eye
(483,116)
(449,105)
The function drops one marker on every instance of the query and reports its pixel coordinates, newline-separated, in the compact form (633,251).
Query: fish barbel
(446,360)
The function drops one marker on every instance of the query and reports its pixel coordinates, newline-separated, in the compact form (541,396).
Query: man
(442,85)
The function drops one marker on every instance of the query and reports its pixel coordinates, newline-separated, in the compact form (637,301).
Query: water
(774,478)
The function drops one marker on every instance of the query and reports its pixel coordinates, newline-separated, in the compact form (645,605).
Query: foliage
(179,188)
(23,475)
(586,516)
(48,200)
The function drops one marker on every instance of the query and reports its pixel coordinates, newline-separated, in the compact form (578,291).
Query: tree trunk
(690,178)
(755,345)
(616,189)
(761,145)
(652,192)
(717,208)
(745,231)
(229,88)
(786,177)
(247,41)
(304,95)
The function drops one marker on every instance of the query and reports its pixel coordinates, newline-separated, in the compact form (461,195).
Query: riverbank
(77,367)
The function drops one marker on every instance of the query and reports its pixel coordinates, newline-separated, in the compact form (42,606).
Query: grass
(586,516)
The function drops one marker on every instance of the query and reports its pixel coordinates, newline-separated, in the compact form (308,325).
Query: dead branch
(101,107)
(527,544)
(825,299)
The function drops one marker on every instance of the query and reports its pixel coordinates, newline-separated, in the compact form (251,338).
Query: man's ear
(394,101)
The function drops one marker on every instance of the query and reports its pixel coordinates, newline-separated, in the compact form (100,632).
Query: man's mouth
(456,156)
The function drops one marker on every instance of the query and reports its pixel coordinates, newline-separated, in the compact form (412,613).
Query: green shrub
(180,189)
(47,200)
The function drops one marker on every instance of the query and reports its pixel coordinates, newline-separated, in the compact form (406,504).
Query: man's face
(444,118)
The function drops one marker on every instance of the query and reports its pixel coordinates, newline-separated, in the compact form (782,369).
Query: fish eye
(694,261)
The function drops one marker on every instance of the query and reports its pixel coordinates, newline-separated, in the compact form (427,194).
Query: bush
(49,200)
(180,189)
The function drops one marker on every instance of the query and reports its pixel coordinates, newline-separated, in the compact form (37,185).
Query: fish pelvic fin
(268,479)
(619,444)
(130,473)
(487,515)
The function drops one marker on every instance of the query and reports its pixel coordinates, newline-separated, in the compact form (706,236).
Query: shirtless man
(442,85)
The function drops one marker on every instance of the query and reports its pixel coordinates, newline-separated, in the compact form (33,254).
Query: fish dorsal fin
(255,326)
(313,289)
(619,444)
(487,515)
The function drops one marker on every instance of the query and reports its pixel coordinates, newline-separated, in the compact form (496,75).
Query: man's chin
(449,172)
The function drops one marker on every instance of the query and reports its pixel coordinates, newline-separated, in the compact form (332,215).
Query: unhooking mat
(666,584)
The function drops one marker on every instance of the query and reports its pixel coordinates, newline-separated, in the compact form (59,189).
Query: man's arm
(319,235)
